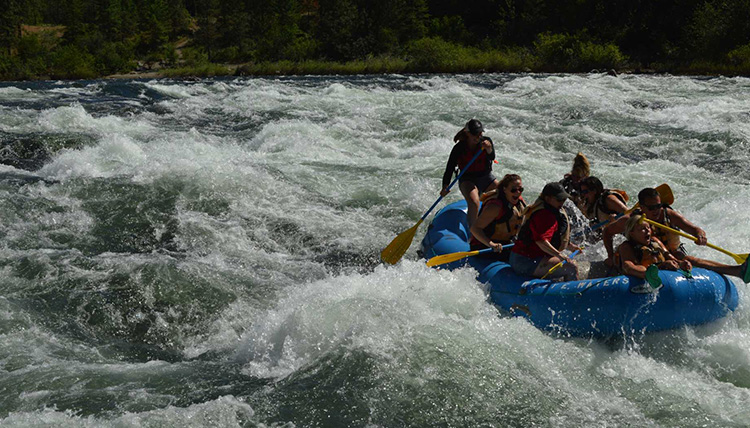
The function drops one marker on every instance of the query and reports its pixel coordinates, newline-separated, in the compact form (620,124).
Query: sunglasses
(516,190)
(584,191)
(652,207)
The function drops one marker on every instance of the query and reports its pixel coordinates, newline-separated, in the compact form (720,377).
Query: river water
(206,253)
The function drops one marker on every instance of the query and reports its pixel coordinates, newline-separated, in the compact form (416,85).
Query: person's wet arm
(608,235)
(681,222)
(488,147)
(477,229)
(542,231)
(629,265)
(450,168)
(615,204)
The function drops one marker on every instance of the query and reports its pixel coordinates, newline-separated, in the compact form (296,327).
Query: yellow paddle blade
(665,193)
(452,257)
(396,249)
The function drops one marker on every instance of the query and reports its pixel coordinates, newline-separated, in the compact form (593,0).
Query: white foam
(225,411)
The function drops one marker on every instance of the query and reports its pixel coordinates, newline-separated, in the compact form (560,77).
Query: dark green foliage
(740,56)
(576,53)
(11,17)
(71,62)
(352,29)
(115,57)
(718,27)
(86,38)
(450,28)
(434,53)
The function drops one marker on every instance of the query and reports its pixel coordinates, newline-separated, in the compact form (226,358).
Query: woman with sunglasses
(478,177)
(500,218)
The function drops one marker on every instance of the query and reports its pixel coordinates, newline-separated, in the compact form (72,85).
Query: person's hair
(581,166)
(461,135)
(647,193)
(509,178)
(633,221)
(594,184)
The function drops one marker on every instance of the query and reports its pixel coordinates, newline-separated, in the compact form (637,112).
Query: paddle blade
(665,193)
(740,258)
(397,248)
(452,257)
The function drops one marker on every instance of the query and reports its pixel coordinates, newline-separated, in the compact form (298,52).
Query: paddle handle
(693,238)
(453,182)
(606,222)
(452,257)
(490,249)
(559,265)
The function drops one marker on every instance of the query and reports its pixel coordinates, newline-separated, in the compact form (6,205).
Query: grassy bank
(552,53)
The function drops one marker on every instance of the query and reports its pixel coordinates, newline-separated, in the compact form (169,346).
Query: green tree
(718,27)
(111,19)
(338,32)
(10,25)
(179,17)
(156,24)
(209,34)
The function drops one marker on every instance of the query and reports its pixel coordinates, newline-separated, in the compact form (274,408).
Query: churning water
(207,253)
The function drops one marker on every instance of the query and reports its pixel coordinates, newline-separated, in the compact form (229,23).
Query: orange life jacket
(645,255)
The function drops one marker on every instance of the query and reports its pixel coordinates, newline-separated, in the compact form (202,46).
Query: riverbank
(390,65)
(427,56)
(286,69)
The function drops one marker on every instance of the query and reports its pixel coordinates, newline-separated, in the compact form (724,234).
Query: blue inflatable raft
(603,307)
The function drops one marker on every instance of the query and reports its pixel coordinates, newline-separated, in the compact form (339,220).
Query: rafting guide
(476,176)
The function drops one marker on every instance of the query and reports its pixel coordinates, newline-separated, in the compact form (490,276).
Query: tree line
(90,38)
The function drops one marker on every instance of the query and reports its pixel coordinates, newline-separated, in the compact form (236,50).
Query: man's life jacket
(671,240)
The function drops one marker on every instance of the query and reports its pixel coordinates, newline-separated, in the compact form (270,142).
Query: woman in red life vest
(544,236)
(500,218)
(478,177)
